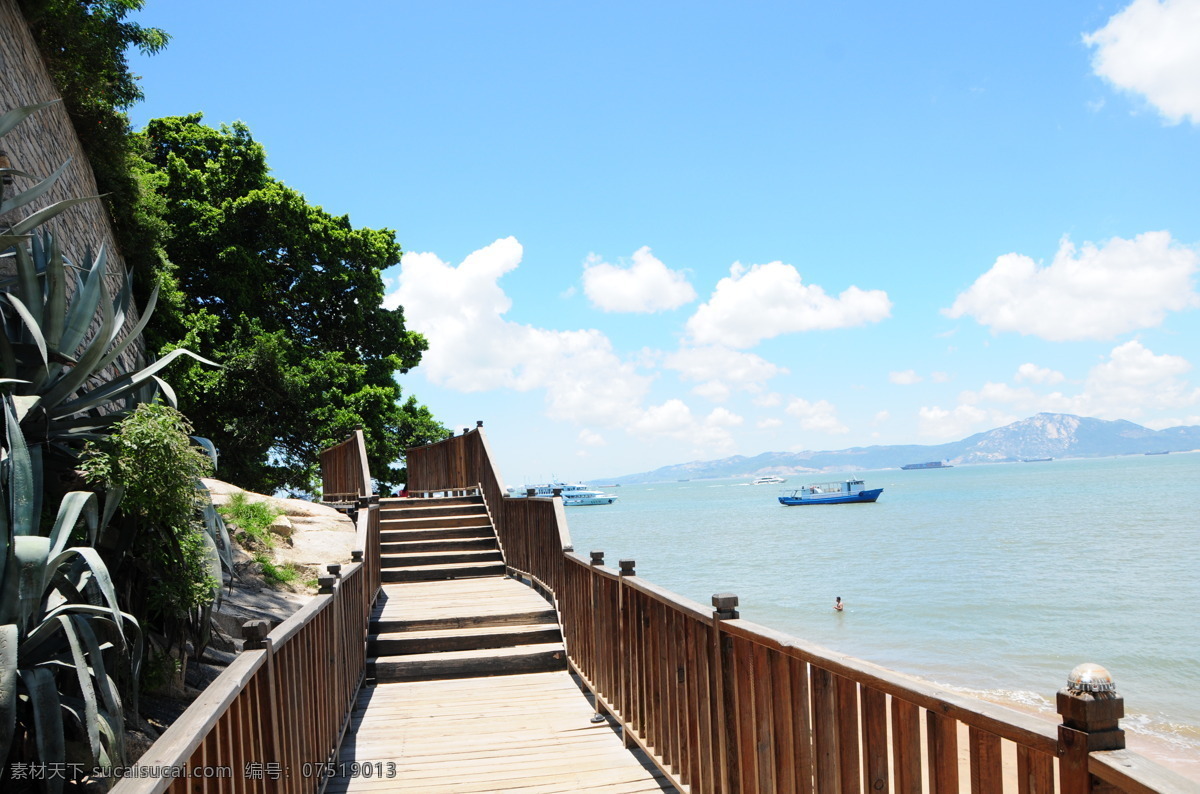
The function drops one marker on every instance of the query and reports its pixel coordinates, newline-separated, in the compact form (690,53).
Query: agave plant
(63,637)
(65,380)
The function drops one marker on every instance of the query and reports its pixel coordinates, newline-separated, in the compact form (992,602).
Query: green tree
(290,299)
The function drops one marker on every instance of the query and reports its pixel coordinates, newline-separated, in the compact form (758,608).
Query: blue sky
(643,233)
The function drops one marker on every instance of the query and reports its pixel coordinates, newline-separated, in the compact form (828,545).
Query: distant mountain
(1042,436)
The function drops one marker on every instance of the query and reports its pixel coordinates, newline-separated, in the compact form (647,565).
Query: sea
(993,580)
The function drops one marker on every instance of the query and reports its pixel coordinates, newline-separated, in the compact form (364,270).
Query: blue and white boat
(830,493)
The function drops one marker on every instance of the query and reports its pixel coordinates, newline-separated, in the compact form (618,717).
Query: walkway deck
(529,732)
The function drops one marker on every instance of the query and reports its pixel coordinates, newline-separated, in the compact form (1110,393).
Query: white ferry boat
(770,479)
(574,494)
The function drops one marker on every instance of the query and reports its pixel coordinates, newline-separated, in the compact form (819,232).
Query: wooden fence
(344,473)
(725,705)
(274,719)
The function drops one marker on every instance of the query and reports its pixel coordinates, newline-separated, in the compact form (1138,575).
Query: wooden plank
(986,773)
(1035,772)
(764,725)
(906,746)
(941,740)
(783,723)
(802,725)
(744,715)
(847,731)
(824,731)
(874,734)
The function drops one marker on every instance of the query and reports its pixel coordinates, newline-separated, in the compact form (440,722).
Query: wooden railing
(344,473)
(274,719)
(725,705)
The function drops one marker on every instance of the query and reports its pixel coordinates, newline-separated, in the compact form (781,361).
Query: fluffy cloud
(1135,380)
(906,378)
(460,310)
(1089,293)
(939,423)
(674,419)
(1031,373)
(820,416)
(1132,382)
(645,286)
(721,370)
(1150,49)
(764,301)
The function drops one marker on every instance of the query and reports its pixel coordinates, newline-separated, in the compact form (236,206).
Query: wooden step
(541,657)
(438,544)
(461,639)
(424,558)
(435,522)
(426,573)
(392,626)
(434,511)
(411,501)
(401,535)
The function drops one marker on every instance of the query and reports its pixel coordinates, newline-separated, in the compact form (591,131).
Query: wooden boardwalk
(528,732)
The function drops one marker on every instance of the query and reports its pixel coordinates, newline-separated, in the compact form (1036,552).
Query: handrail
(274,719)
(721,704)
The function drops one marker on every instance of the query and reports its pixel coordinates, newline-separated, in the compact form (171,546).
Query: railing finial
(597,558)
(725,605)
(1089,703)
(627,568)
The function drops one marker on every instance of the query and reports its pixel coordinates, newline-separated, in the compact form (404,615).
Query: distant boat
(1035,460)
(830,493)
(1164,452)
(770,479)
(933,464)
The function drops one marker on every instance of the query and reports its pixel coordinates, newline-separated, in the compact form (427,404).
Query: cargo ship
(933,464)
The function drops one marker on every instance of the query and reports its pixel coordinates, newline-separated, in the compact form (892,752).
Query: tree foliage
(289,298)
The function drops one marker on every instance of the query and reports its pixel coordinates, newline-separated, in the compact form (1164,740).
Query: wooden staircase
(447,610)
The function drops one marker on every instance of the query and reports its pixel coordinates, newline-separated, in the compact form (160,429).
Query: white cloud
(940,377)
(722,370)
(590,438)
(1031,373)
(674,419)
(942,424)
(906,378)
(764,301)
(1135,380)
(1149,48)
(1132,382)
(1090,293)
(472,348)
(769,423)
(881,417)
(820,416)
(769,400)
(645,286)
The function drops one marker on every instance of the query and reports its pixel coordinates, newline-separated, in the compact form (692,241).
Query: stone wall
(44,141)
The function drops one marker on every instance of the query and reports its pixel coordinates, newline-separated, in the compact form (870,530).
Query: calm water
(995,579)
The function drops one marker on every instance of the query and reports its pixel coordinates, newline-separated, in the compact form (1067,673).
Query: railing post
(595,662)
(1090,708)
(724,608)
(625,646)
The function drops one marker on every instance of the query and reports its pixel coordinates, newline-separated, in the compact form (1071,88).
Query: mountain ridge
(1044,435)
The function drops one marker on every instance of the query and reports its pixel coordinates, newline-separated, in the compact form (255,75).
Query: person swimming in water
(838,604)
